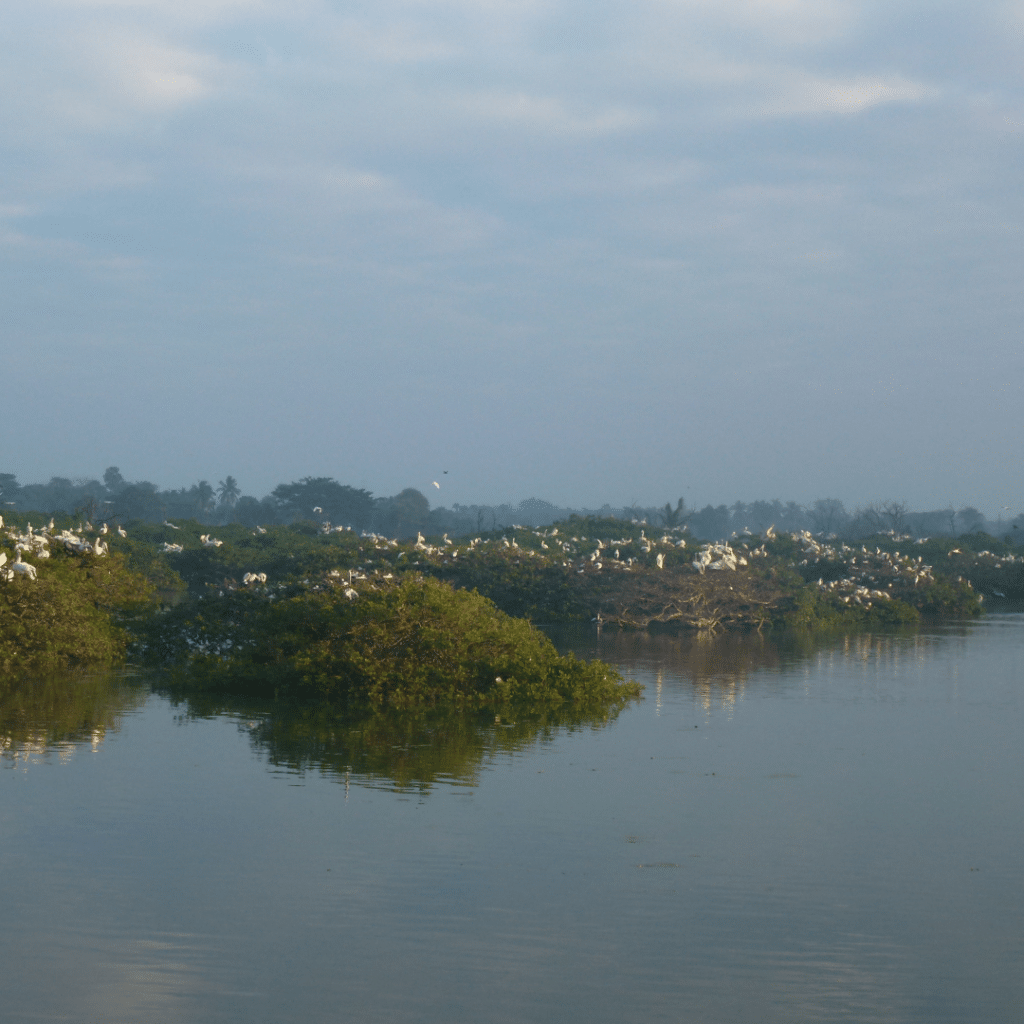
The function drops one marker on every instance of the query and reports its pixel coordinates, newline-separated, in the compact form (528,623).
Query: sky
(592,252)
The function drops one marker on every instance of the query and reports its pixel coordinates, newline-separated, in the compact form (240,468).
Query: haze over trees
(324,499)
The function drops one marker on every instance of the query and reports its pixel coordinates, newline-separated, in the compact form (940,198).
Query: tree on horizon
(338,503)
(229,492)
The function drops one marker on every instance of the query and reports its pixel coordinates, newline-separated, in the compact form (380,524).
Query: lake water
(831,832)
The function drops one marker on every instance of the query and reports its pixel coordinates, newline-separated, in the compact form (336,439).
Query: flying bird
(436,484)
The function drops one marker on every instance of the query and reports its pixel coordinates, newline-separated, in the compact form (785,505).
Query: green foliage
(415,643)
(73,614)
(338,503)
(287,633)
(285,553)
(809,609)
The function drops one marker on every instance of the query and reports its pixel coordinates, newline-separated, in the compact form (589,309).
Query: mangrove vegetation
(361,620)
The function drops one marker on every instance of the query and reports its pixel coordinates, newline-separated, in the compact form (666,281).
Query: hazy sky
(593,252)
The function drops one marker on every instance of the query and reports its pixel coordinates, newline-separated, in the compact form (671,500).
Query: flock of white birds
(37,544)
(869,577)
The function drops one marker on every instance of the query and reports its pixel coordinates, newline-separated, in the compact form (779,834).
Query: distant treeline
(322,499)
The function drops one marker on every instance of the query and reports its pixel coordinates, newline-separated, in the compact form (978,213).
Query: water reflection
(40,718)
(57,715)
(719,669)
(845,847)
(399,751)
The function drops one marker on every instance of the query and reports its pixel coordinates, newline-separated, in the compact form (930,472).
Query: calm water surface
(828,833)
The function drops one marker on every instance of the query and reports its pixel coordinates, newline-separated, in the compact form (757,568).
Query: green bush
(414,643)
(73,614)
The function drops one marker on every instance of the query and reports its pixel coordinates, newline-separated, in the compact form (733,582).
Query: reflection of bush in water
(400,749)
(39,712)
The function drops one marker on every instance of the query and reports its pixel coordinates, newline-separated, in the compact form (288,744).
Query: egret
(436,484)
(170,524)
(26,570)
(122,532)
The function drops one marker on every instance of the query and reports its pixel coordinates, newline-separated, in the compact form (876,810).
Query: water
(831,832)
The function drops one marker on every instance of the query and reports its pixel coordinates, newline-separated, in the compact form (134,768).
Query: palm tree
(673,516)
(229,492)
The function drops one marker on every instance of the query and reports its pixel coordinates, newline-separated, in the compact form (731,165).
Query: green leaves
(415,643)
(73,614)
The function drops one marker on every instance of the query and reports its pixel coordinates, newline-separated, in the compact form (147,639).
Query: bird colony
(37,544)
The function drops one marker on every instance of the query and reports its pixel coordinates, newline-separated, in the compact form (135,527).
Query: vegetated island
(317,612)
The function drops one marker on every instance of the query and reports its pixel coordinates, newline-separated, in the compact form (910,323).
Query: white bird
(122,532)
(99,548)
(171,525)
(29,571)
(103,528)
(661,561)
(259,529)
(317,508)
(436,484)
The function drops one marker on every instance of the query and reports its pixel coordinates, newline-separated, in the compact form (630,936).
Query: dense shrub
(73,614)
(414,643)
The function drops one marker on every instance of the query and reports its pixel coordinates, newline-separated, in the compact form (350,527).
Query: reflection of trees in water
(394,750)
(892,652)
(57,714)
(719,668)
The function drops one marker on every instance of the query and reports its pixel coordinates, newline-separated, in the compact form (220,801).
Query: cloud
(799,23)
(550,115)
(144,74)
(804,94)
(654,185)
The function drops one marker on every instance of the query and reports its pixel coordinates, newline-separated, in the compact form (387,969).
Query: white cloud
(549,114)
(800,93)
(401,43)
(196,12)
(146,74)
